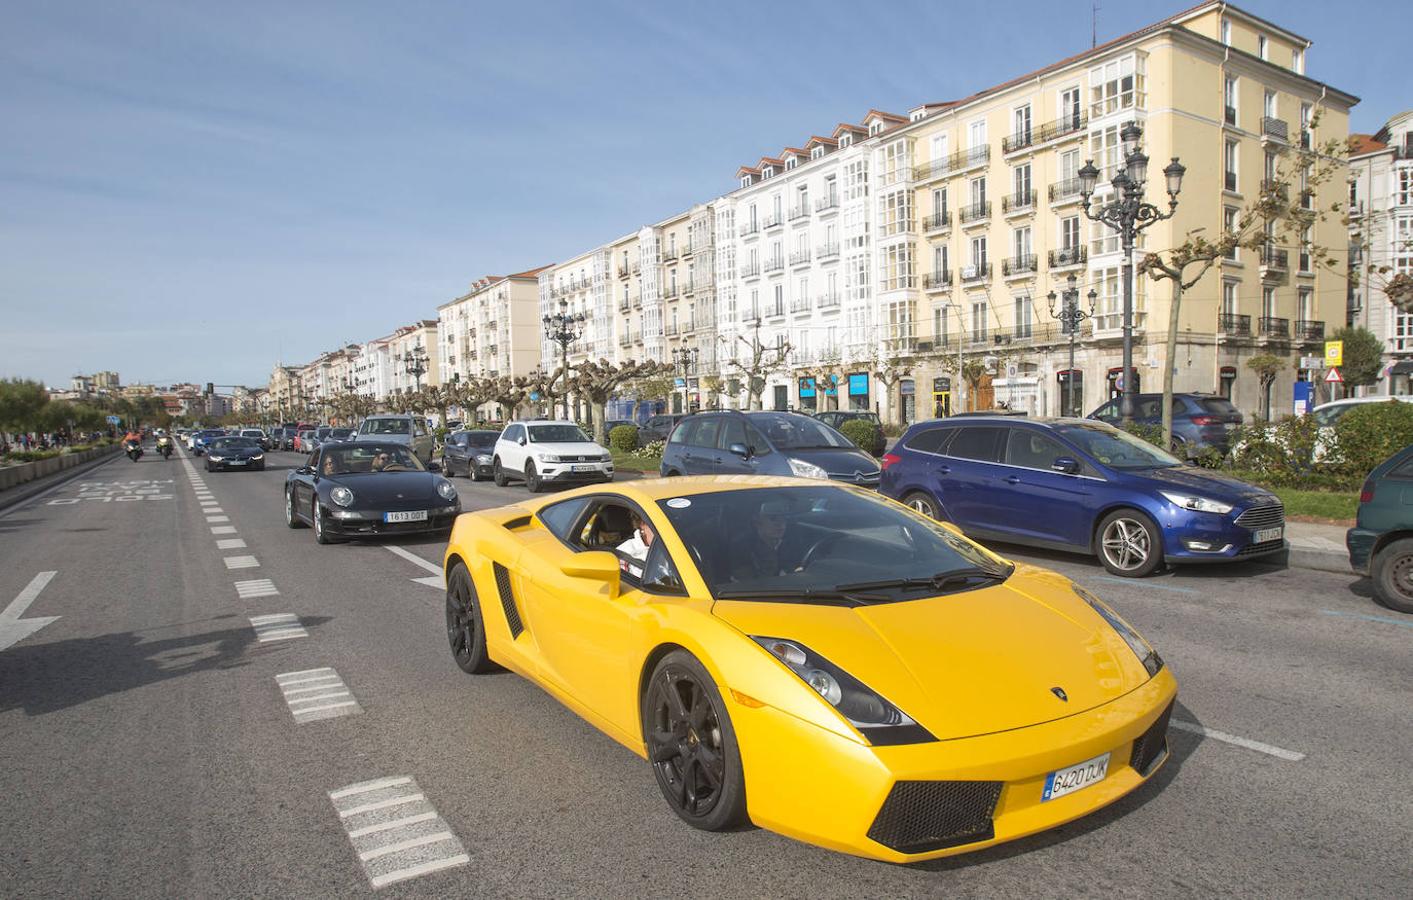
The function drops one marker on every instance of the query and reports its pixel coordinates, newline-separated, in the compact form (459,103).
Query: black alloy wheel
(692,745)
(447,469)
(465,630)
(532,479)
(320,535)
(291,517)
(498,474)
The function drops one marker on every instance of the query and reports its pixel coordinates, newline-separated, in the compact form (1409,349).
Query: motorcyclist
(164,446)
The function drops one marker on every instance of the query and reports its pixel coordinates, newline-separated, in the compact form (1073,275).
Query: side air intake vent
(919,816)
(518,522)
(1149,747)
(507,600)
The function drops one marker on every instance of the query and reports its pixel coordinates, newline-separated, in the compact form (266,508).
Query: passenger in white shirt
(637,547)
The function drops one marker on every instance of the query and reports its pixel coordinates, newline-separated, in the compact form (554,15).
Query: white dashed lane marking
(213,510)
(223,529)
(315,694)
(1234,740)
(259,587)
(242,562)
(395,831)
(230,544)
(277,627)
(215,519)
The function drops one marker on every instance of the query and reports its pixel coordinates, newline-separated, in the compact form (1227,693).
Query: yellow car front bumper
(817,786)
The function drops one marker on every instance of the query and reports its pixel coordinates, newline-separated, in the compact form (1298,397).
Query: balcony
(1019,202)
(827,251)
(1065,126)
(956,162)
(750,270)
(670,255)
(774,265)
(670,329)
(829,300)
(689,327)
(1022,264)
(975,274)
(937,281)
(625,339)
(750,229)
(1069,256)
(1064,191)
(799,257)
(1020,140)
(826,204)
(974,213)
(772,221)
(940,221)
(624,305)
(623,272)
(1274,264)
(670,292)
(775,310)
(1309,331)
(1273,189)
(1273,327)
(1275,129)
(1230,115)
(799,212)
(800,305)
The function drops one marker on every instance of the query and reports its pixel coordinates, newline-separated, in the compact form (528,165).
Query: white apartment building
(1381,220)
(492,330)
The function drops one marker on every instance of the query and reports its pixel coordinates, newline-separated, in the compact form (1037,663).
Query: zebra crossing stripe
(259,587)
(242,562)
(395,831)
(277,627)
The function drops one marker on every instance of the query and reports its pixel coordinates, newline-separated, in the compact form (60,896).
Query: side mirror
(740,450)
(520,441)
(597,565)
(1066,464)
(304,470)
(434,466)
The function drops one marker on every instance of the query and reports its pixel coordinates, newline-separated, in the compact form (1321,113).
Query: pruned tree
(436,398)
(1282,213)
(760,362)
(713,385)
(890,373)
(1363,356)
(1267,368)
(550,386)
(509,393)
(472,393)
(599,381)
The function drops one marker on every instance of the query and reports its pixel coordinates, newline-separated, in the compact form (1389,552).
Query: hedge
(860,431)
(623,438)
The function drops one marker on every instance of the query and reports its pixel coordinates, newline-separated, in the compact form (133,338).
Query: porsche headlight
(258,456)
(214,458)
(806,469)
(341,496)
(876,719)
(446,489)
(1197,504)
(1140,647)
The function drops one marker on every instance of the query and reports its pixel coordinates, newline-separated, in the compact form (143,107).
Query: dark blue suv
(1081,486)
(1199,420)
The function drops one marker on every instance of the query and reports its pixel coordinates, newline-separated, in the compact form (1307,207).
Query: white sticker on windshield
(679,503)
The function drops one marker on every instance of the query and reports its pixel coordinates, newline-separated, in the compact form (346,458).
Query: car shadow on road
(51,676)
(1179,572)
(1181,745)
(17,524)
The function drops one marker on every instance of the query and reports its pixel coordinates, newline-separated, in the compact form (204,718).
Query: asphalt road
(149,748)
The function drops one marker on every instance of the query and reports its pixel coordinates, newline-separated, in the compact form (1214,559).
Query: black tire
(471,472)
(922,502)
(465,629)
(671,473)
(700,776)
(292,519)
(498,474)
(1392,574)
(320,536)
(532,479)
(1129,544)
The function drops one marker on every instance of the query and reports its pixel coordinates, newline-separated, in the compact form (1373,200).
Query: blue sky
(192,190)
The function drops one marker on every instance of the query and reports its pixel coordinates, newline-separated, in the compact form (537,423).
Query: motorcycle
(134,451)
(164,446)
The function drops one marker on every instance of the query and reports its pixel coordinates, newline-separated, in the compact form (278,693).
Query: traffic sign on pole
(1334,353)
(1312,362)
(1333,377)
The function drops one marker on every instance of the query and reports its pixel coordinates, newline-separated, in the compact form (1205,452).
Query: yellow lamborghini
(816,658)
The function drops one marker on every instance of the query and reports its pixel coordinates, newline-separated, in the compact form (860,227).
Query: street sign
(1334,354)
(1333,377)
(1312,362)
(1302,397)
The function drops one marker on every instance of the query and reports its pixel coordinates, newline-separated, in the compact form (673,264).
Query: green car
(1381,541)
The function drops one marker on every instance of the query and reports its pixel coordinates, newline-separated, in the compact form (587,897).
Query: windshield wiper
(822,596)
(956,578)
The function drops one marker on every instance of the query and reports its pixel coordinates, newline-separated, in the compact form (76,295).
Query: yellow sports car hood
(969,663)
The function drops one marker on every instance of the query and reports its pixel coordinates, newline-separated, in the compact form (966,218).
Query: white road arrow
(435,580)
(13,629)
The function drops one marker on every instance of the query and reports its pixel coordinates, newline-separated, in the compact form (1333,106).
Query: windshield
(367,458)
(482,438)
(1116,449)
(822,543)
(234,443)
(386,426)
(1329,415)
(795,432)
(556,434)
(340,434)
(251,433)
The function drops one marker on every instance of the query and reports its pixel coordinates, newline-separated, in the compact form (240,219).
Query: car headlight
(875,718)
(806,469)
(483,460)
(1140,647)
(446,489)
(547,457)
(605,457)
(341,496)
(1197,504)
(258,456)
(214,458)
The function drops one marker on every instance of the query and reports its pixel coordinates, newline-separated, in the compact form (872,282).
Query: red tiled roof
(884,115)
(795,150)
(1359,144)
(767,161)
(816,139)
(845,126)
(747,170)
(528,273)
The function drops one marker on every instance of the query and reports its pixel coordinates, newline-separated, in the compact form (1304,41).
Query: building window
(856,180)
(1104,150)
(1069,233)
(745,181)
(1306,309)
(1268,302)
(978,252)
(846,140)
(1021,242)
(1226,32)
(1117,85)
(940,325)
(939,259)
(896,166)
(1230,93)
(978,321)
(1023,317)
(1269,105)
(1405,186)
(875,127)
(1069,107)
(1229,297)
(816,152)
(895,213)
(1229,225)
(939,202)
(896,267)
(1263,46)
(1020,134)
(1229,160)
(1022,183)
(1297,60)
(939,148)
(978,191)
(767,172)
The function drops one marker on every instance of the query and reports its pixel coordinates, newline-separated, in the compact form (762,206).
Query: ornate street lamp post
(414,363)
(1070,316)
(564,329)
(684,360)
(1128,214)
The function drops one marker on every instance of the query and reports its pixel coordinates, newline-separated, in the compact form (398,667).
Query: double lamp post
(564,328)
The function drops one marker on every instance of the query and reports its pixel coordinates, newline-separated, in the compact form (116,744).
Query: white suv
(544,451)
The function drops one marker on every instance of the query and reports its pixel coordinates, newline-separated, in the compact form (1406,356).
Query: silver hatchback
(398,429)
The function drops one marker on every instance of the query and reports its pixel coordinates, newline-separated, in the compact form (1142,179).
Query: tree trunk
(1168,365)
(598,413)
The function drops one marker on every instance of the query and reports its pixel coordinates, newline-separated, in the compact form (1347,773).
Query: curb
(1320,560)
(17,495)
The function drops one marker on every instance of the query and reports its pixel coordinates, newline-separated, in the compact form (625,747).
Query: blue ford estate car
(1082,486)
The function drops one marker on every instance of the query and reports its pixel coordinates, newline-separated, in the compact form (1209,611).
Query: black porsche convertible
(366,489)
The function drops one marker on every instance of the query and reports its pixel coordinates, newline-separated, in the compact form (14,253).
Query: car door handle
(943,470)
(1012,479)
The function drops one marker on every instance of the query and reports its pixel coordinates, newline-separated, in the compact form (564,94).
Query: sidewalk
(1317,547)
